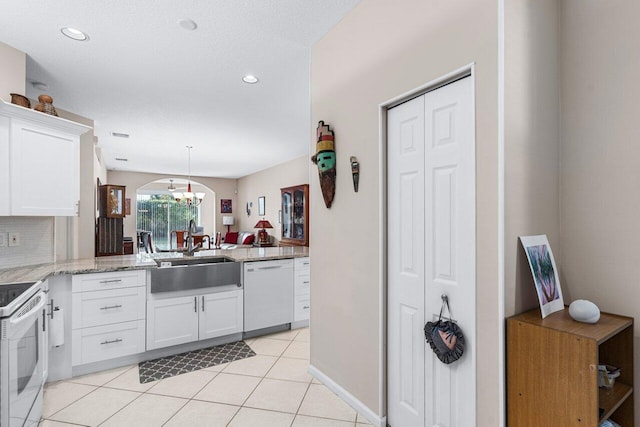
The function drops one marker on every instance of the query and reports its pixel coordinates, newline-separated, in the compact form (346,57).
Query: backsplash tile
(36,241)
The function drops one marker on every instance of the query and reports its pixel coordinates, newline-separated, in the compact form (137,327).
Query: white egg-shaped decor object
(584,311)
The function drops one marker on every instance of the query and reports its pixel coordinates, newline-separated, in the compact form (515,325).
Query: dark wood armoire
(109,225)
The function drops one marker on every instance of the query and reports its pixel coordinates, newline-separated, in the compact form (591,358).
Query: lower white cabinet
(302,292)
(221,314)
(173,320)
(108,315)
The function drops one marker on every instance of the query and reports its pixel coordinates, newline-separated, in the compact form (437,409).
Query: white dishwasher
(268,293)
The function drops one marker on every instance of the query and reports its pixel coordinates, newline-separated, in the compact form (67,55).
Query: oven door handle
(25,316)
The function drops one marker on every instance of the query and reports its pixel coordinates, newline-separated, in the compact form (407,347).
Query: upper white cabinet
(39,163)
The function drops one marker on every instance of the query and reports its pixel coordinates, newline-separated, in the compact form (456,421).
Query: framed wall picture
(127,206)
(225,206)
(545,274)
(261,205)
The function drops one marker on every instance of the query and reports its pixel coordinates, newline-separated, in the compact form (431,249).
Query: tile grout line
(187,400)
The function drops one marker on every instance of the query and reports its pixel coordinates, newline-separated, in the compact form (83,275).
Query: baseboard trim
(360,407)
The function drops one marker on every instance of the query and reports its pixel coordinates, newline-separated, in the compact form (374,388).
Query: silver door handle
(104,282)
(111,341)
(109,307)
(202,302)
(195,304)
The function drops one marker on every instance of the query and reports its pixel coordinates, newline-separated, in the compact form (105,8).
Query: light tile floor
(272,388)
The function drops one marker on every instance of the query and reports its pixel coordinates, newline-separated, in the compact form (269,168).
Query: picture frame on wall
(545,274)
(261,203)
(225,206)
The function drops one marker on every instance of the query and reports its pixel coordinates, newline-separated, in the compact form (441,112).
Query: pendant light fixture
(189,197)
(171,187)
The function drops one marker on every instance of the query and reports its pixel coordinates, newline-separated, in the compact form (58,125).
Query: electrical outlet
(14,239)
(3,239)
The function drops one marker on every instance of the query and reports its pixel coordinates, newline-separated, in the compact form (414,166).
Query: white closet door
(405,269)
(431,251)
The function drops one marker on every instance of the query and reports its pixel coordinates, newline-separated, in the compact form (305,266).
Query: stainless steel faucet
(190,232)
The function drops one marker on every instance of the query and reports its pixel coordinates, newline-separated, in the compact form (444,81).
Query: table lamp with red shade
(263,236)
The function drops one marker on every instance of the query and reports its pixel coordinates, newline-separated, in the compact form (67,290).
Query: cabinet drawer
(302,285)
(107,307)
(102,281)
(302,307)
(302,264)
(108,342)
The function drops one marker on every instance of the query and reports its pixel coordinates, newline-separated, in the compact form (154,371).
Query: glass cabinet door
(287,214)
(295,215)
(298,215)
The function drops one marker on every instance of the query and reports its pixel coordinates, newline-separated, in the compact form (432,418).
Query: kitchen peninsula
(33,273)
(110,311)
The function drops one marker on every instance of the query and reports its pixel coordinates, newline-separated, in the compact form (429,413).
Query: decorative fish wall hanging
(325,158)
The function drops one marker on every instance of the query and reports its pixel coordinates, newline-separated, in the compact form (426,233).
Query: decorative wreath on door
(445,337)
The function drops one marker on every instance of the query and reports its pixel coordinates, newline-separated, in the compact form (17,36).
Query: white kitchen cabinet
(108,315)
(173,320)
(302,292)
(221,314)
(39,163)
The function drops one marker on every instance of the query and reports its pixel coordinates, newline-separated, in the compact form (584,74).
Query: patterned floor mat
(166,367)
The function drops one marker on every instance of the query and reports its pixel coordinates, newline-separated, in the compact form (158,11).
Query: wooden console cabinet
(552,368)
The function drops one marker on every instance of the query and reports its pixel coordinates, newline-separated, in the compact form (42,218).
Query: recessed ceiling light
(72,33)
(188,24)
(120,159)
(40,85)
(120,135)
(250,79)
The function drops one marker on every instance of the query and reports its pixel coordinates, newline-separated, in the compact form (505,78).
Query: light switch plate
(14,239)
(3,239)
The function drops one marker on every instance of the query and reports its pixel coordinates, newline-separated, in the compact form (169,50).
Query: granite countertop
(33,273)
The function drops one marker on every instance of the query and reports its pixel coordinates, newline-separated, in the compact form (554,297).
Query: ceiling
(142,74)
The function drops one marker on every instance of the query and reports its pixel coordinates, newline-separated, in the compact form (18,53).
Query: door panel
(405,258)
(431,251)
(221,314)
(450,247)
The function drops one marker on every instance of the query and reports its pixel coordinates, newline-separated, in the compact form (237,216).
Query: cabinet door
(221,314)
(171,321)
(287,214)
(45,171)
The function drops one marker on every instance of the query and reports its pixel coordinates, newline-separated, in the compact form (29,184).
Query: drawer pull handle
(104,282)
(306,283)
(305,307)
(271,267)
(195,304)
(111,341)
(305,263)
(109,307)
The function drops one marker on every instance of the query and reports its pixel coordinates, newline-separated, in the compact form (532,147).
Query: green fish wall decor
(325,158)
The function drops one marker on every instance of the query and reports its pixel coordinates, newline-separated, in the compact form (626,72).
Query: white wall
(378,51)
(600,206)
(532,141)
(268,183)
(13,71)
